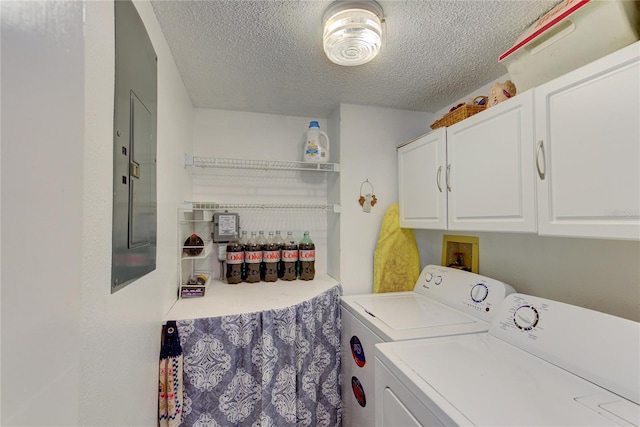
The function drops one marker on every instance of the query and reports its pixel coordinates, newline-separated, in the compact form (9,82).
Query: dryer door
(396,405)
(394,412)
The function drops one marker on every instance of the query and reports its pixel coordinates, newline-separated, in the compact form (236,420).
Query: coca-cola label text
(235,257)
(271,256)
(290,255)
(307,254)
(253,257)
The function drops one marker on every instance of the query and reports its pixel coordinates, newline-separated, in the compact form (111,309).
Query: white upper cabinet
(490,169)
(422,191)
(562,159)
(475,175)
(588,149)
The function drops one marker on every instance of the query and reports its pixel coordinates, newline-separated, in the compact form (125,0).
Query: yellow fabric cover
(396,260)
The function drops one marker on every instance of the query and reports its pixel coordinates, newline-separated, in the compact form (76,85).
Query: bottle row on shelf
(258,258)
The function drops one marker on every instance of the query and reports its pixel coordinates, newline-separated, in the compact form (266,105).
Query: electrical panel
(134,150)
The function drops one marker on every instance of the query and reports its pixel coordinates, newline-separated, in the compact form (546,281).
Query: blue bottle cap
(314,124)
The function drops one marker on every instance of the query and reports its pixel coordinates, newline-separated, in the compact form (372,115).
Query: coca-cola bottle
(234,260)
(244,239)
(262,243)
(270,259)
(280,243)
(252,259)
(307,257)
(289,258)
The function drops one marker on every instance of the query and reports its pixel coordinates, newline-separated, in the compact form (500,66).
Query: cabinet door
(422,192)
(491,173)
(588,139)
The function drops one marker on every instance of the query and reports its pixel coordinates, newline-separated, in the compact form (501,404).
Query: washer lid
(412,311)
(490,382)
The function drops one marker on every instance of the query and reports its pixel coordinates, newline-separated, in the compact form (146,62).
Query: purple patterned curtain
(270,368)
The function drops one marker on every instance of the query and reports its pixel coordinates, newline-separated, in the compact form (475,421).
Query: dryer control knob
(479,292)
(438,280)
(526,317)
(428,277)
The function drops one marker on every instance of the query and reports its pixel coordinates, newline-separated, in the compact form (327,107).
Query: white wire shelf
(225,163)
(265,206)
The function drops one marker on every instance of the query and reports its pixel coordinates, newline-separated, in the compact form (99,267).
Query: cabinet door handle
(539,150)
(448,177)
(438,178)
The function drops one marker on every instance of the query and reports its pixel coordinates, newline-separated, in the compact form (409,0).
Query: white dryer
(444,302)
(542,363)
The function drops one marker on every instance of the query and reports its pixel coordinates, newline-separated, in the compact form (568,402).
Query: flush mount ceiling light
(352,32)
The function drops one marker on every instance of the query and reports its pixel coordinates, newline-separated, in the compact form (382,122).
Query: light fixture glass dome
(352,32)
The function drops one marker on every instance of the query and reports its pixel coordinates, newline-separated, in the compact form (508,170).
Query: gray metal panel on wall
(134,150)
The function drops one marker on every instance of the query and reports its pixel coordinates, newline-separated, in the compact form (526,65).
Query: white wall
(121,332)
(364,144)
(73,354)
(368,140)
(42,69)
(255,136)
(601,275)
(333,196)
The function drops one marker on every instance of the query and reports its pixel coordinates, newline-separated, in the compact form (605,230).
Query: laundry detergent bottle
(314,149)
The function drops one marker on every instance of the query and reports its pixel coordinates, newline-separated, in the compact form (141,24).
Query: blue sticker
(357,351)
(358,391)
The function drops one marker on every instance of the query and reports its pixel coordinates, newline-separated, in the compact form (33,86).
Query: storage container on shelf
(570,35)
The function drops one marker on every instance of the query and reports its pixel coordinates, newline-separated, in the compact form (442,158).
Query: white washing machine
(542,363)
(444,301)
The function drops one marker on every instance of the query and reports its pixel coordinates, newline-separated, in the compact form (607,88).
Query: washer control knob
(479,292)
(438,280)
(428,277)
(526,317)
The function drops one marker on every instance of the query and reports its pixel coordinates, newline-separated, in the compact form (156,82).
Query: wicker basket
(460,113)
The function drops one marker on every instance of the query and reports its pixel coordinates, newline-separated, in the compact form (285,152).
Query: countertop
(222,299)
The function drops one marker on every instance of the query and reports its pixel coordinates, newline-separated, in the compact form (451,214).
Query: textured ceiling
(266,56)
